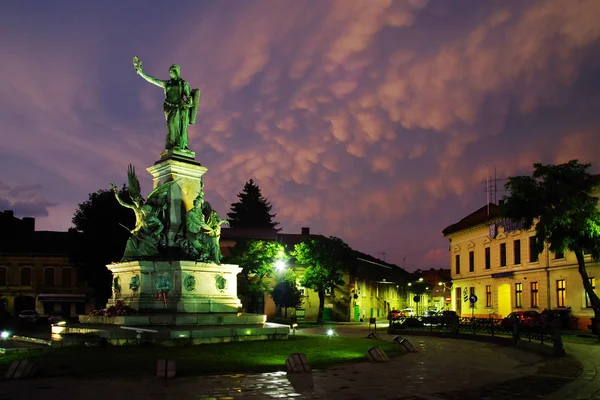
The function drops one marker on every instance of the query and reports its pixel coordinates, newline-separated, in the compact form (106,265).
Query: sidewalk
(587,385)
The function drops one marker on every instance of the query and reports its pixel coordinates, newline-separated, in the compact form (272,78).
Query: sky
(374,121)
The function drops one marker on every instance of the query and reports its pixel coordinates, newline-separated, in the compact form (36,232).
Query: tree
(100,236)
(558,200)
(257,259)
(325,259)
(285,292)
(252,210)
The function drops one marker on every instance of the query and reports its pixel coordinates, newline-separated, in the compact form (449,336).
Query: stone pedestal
(176,286)
(187,173)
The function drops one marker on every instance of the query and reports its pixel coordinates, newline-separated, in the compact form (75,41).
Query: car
(56,317)
(407,312)
(29,316)
(395,315)
(525,318)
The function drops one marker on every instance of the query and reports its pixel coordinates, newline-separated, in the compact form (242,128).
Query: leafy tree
(325,259)
(286,293)
(558,200)
(252,210)
(257,259)
(100,238)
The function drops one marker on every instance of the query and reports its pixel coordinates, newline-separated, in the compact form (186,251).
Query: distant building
(35,271)
(371,288)
(439,282)
(495,260)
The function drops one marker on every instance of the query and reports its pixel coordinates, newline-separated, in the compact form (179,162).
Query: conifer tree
(252,210)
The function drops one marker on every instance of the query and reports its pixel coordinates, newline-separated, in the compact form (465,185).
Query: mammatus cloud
(360,119)
(24,200)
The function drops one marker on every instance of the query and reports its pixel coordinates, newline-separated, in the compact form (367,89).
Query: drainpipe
(548,276)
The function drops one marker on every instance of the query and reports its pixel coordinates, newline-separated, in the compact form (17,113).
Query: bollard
(165,368)
(20,369)
(297,362)
(375,354)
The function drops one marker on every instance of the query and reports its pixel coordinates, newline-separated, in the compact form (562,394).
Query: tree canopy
(325,260)
(257,259)
(252,210)
(558,200)
(100,238)
(285,292)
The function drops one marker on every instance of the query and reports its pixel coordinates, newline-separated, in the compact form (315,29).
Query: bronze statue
(148,234)
(180,106)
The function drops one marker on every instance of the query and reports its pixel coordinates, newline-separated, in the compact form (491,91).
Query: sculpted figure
(180,106)
(203,231)
(148,234)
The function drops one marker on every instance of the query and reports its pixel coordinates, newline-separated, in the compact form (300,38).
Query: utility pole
(383,254)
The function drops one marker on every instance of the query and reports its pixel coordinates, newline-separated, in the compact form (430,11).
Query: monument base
(176,286)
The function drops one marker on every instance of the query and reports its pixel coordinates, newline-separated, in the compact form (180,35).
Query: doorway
(504,301)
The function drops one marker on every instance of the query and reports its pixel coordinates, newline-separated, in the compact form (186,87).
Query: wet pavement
(442,369)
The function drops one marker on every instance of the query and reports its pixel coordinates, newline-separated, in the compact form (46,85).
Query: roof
(476,218)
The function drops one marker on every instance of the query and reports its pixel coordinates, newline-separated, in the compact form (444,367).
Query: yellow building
(494,260)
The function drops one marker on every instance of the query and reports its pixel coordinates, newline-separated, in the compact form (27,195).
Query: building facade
(35,270)
(495,260)
(371,287)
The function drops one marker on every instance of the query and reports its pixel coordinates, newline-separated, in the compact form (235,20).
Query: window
(517,251)
(533,254)
(457,263)
(49,276)
(471,261)
(561,293)
(3,278)
(26,276)
(488,258)
(559,255)
(503,254)
(518,295)
(588,304)
(535,295)
(471,293)
(67,277)
(488,296)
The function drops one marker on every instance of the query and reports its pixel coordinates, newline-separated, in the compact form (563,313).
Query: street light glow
(420,279)
(279,265)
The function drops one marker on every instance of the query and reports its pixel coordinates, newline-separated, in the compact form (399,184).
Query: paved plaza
(442,369)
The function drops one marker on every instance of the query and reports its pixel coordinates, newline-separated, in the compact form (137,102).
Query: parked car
(29,316)
(564,314)
(56,317)
(447,317)
(395,314)
(407,312)
(526,319)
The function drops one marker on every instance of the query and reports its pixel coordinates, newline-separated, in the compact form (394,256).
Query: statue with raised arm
(148,234)
(180,106)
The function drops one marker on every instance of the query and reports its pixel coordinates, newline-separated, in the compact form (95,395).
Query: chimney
(305,230)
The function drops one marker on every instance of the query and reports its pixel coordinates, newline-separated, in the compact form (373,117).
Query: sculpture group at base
(197,239)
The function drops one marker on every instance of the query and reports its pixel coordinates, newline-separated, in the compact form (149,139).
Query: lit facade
(495,260)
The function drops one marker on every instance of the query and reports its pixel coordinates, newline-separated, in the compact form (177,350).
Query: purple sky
(374,121)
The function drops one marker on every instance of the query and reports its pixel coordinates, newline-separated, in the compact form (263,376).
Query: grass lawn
(239,357)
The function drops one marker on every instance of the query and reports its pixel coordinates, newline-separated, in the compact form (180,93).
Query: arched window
(49,276)
(26,276)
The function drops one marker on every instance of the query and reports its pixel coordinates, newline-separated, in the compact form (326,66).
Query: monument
(170,282)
